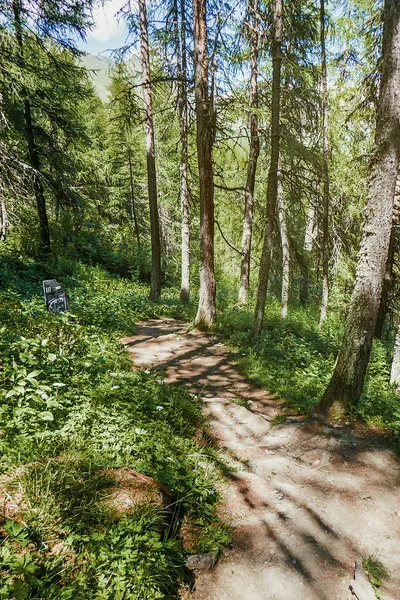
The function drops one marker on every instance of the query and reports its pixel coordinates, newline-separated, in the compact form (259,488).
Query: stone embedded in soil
(201,562)
(333,444)
(271,444)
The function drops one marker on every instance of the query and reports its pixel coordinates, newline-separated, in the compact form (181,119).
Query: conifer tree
(347,381)
(272,189)
(181,73)
(205,132)
(325,171)
(254,150)
(42,51)
(156,277)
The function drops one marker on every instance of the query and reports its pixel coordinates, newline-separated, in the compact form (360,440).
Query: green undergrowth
(240,401)
(376,573)
(72,412)
(294,359)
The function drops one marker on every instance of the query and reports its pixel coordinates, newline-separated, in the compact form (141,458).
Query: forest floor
(305,500)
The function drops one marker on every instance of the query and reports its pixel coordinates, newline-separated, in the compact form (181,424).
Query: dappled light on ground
(305,500)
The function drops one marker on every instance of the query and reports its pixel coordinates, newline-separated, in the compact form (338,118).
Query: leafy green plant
(71,412)
(213,537)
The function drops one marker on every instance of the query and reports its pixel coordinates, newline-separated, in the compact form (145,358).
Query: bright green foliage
(212,537)
(71,408)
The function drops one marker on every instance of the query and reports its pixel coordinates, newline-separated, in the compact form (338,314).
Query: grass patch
(294,359)
(240,401)
(290,358)
(375,569)
(278,420)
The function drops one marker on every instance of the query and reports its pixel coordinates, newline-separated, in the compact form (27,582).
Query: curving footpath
(306,501)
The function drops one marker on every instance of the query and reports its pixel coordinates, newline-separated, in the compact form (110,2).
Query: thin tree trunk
(181,67)
(273,170)
(395,369)
(346,54)
(132,198)
(309,235)
(155,286)
(308,246)
(348,377)
(285,248)
(44,232)
(4,223)
(325,172)
(44,247)
(205,124)
(345,62)
(254,152)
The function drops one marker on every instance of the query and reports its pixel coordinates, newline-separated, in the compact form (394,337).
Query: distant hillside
(100,67)
(100,73)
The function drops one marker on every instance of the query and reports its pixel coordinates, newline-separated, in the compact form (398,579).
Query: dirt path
(307,500)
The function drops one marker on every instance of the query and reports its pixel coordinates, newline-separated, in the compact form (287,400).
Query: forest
(230,171)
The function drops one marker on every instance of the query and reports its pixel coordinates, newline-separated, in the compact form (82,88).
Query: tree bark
(33,153)
(181,67)
(254,152)
(348,377)
(388,280)
(386,287)
(325,173)
(285,248)
(155,286)
(205,131)
(132,197)
(272,188)
(308,246)
(4,222)
(395,369)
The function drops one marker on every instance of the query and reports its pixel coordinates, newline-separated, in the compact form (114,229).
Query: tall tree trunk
(308,246)
(132,198)
(388,279)
(345,62)
(181,67)
(254,151)
(348,377)
(285,248)
(44,232)
(205,125)
(395,369)
(325,173)
(309,235)
(273,170)
(4,223)
(155,286)
(386,287)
